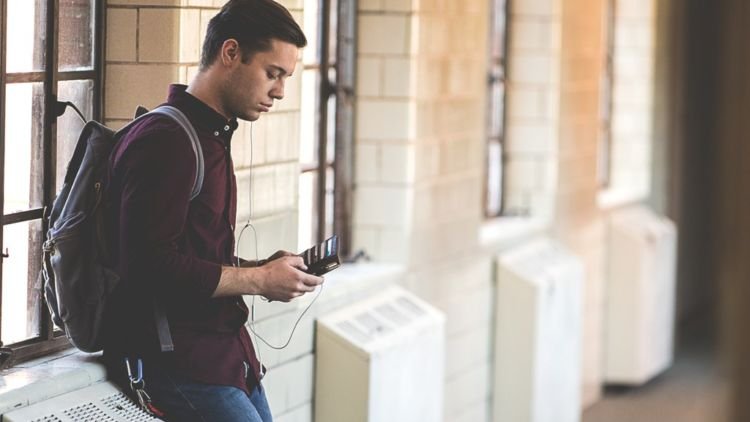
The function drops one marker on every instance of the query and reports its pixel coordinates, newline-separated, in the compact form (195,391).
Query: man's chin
(251,117)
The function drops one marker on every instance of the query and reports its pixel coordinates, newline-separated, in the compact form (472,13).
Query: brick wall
(419,147)
(632,96)
(578,221)
(533,98)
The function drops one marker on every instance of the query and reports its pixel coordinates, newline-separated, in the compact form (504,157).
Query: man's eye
(271,76)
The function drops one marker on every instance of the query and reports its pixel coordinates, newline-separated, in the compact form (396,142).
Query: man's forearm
(238,281)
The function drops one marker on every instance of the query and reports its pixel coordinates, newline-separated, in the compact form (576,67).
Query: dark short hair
(253,23)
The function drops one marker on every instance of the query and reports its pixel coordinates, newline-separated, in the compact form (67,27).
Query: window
(496,106)
(51,50)
(326,122)
(604,163)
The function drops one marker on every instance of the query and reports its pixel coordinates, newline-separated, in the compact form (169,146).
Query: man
(179,253)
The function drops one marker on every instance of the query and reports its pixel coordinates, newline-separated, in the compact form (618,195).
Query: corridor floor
(692,390)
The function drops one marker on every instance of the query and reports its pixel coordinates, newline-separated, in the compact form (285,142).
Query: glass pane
(22,296)
(332,30)
(331,146)
(24,123)
(310,54)
(308,115)
(497,97)
(498,29)
(494,178)
(76,43)
(69,125)
(27,35)
(330,183)
(307,211)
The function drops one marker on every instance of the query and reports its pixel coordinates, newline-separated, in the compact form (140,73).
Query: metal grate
(87,412)
(123,407)
(49,418)
(99,403)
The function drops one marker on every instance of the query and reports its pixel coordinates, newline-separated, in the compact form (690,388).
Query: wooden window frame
(497,74)
(341,87)
(49,339)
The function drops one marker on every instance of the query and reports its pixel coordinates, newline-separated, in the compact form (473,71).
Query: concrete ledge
(48,377)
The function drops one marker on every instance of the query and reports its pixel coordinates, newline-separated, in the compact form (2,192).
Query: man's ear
(230,51)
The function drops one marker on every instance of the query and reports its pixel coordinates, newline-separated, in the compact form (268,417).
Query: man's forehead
(281,57)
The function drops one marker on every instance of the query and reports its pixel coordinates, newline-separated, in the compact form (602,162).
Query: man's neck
(206,89)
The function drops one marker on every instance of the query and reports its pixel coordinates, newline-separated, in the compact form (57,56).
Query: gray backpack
(77,279)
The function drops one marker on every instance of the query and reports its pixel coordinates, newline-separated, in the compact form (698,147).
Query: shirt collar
(201,114)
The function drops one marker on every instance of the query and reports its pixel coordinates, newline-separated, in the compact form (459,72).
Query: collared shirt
(171,248)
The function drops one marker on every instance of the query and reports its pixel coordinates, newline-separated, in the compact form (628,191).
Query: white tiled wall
(419,157)
(533,97)
(632,95)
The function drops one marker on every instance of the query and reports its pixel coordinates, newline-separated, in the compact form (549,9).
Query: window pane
(494,178)
(76,27)
(310,54)
(334,22)
(308,115)
(22,296)
(497,95)
(69,125)
(329,201)
(27,35)
(331,145)
(498,29)
(307,211)
(24,122)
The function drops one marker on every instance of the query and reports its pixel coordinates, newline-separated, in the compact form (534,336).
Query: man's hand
(284,279)
(279,254)
(276,255)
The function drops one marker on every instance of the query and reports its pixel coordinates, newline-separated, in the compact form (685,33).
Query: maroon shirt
(172,249)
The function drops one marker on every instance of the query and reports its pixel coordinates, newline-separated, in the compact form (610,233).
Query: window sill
(47,377)
(63,372)
(500,232)
(612,198)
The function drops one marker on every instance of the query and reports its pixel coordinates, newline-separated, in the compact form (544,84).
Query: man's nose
(277,92)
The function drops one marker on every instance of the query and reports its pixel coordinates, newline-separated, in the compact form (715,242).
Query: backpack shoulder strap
(160,317)
(179,117)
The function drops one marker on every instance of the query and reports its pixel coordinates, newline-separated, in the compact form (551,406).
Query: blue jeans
(185,401)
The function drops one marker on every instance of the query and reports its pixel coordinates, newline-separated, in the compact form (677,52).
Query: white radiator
(96,403)
(640,296)
(381,360)
(538,335)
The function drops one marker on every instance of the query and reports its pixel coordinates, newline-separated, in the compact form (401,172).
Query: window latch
(5,254)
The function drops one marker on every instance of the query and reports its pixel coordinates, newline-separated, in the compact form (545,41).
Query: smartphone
(323,257)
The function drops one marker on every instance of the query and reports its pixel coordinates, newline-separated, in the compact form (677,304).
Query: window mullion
(3,50)
(343,164)
(322,115)
(99,57)
(49,143)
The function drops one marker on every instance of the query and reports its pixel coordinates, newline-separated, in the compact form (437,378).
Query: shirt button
(226,127)
(216,133)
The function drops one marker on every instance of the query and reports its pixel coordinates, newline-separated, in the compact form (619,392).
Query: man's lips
(265,107)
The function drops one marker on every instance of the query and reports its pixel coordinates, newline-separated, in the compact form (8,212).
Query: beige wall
(578,221)
(420,139)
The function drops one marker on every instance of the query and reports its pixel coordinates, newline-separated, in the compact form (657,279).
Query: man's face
(253,86)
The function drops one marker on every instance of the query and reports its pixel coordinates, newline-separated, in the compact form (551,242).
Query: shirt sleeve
(156,173)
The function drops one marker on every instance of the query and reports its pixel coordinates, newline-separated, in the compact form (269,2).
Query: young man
(180,252)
